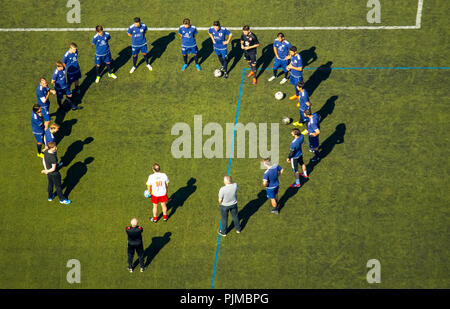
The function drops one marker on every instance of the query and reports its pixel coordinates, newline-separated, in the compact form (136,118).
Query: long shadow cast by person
(154,248)
(327,108)
(65,129)
(308,56)
(87,81)
(124,57)
(159,47)
(265,59)
(235,54)
(178,198)
(204,52)
(320,74)
(74,174)
(249,210)
(74,149)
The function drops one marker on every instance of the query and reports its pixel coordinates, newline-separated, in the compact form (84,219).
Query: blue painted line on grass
(307,68)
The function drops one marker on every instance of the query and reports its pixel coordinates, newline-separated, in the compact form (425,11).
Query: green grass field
(378,193)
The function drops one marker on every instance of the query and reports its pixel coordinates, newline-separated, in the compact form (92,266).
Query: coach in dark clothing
(53,175)
(135,244)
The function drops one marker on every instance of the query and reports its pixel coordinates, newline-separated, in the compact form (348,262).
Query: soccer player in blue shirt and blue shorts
(62,88)
(102,52)
(137,33)
(270,181)
(281,50)
(187,34)
(70,61)
(37,126)
(218,36)
(303,104)
(296,157)
(296,69)
(313,132)
(42,95)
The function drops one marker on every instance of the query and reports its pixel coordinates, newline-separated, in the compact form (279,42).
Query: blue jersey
(49,136)
(37,123)
(282,48)
(296,147)
(101,44)
(271,175)
(138,35)
(219,37)
(188,36)
(41,94)
(296,62)
(302,99)
(313,123)
(60,79)
(71,62)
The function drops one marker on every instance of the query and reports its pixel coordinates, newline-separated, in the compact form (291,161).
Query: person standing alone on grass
(134,233)
(137,33)
(295,157)
(270,181)
(53,175)
(187,34)
(249,43)
(228,203)
(102,52)
(218,36)
(157,185)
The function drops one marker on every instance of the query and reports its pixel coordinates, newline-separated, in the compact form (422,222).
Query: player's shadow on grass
(265,59)
(74,149)
(153,249)
(327,108)
(320,74)
(178,198)
(124,57)
(204,52)
(159,47)
(250,209)
(74,174)
(308,56)
(87,81)
(65,129)
(235,54)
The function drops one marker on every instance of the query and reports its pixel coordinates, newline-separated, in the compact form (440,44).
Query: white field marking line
(416,26)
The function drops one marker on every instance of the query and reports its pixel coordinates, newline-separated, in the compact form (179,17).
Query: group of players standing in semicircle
(286,57)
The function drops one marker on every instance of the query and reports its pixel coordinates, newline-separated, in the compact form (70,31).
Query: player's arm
(212,38)
(256,43)
(275,51)
(308,104)
(229,38)
(265,183)
(46,171)
(149,188)
(290,155)
(280,171)
(316,132)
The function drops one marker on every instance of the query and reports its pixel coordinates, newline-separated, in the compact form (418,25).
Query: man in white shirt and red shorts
(157,185)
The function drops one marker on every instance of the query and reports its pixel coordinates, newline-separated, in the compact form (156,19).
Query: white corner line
(419,14)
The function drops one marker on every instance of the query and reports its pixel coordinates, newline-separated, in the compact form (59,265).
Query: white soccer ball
(217,73)
(286,120)
(279,95)
(147,194)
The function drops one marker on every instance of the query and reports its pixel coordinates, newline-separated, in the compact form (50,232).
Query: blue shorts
(221,52)
(189,50)
(72,77)
(60,93)
(39,137)
(280,64)
(314,142)
(45,110)
(103,59)
(295,79)
(272,192)
(136,49)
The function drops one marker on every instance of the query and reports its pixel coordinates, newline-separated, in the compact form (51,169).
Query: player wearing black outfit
(249,43)
(135,244)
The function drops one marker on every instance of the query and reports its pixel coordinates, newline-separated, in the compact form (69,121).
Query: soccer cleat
(40,155)
(275,211)
(97,79)
(142,269)
(238,232)
(297,124)
(250,74)
(295,185)
(132,69)
(112,75)
(222,69)
(283,81)
(149,67)
(310,150)
(255,81)
(225,75)
(51,198)
(221,234)
(165,219)
(198,67)
(153,220)
(304,176)
(75,108)
(305,132)
(294,97)
(271,79)
(65,202)
(130,269)
(184,67)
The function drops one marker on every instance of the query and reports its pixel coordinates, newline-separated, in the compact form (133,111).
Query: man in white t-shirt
(157,185)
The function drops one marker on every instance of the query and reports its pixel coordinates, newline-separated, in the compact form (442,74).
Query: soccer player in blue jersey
(296,69)
(62,88)
(281,50)
(48,134)
(137,33)
(42,94)
(303,104)
(187,34)
(313,132)
(270,181)
(218,36)
(102,52)
(295,157)
(70,61)
(37,126)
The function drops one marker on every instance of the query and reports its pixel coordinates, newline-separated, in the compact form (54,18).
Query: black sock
(221,61)
(146,58)
(254,69)
(316,154)
(286,74)
(297,92)
(39,148)
(225,64)
(97,69)
(185,59)
(134,61)
(196,59)
(275,73)
(108,65)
